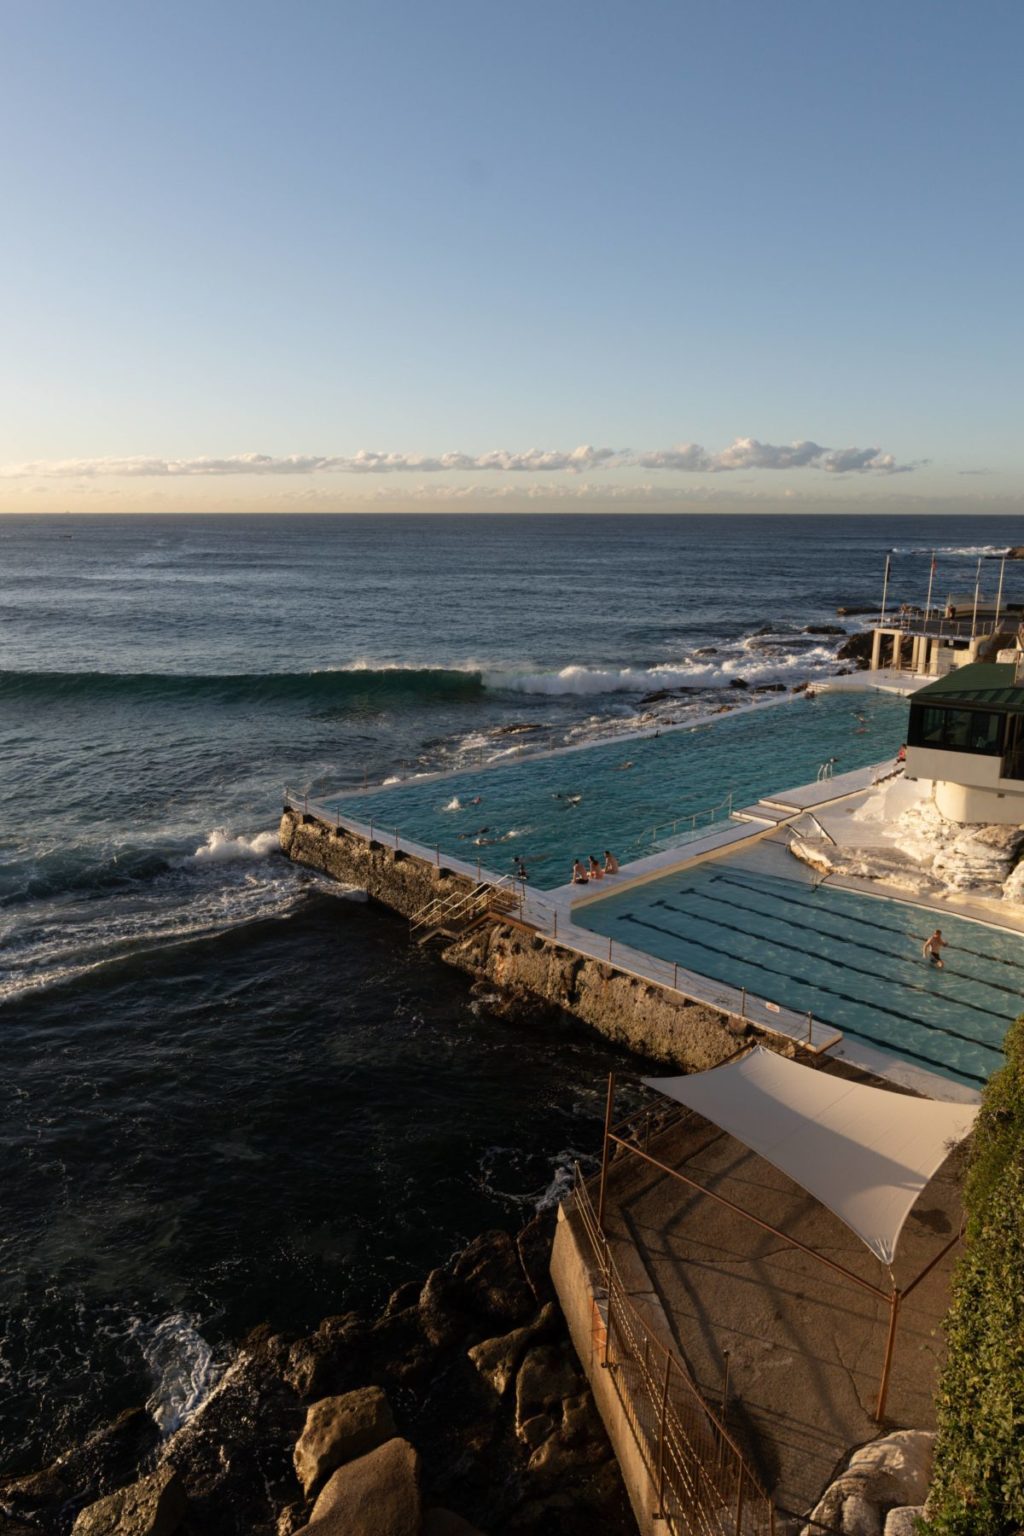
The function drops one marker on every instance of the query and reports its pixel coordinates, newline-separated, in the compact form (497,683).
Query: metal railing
(689,822)
(698,1474)
(458,908)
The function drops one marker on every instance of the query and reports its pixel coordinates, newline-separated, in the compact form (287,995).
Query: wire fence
(698,1474)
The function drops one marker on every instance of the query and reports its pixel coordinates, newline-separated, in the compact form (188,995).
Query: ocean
(232,1092)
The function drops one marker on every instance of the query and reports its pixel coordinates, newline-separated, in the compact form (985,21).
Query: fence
(700,1480)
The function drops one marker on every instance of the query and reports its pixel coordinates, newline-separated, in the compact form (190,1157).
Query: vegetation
(978,1483)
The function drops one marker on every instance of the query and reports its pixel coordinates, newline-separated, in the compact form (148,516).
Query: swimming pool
(852,960)
(550,810)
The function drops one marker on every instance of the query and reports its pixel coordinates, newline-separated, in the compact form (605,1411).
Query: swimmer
(620,767)
(579,873)
(933,948)
(477,800)
(595,870)
(611,863)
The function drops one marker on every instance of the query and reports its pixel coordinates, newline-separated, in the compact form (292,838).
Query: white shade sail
(863,1152)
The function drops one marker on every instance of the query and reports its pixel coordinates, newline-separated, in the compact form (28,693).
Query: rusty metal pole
(675,975)
(810,1028)
(608,1111)
(661,1438)
(606,1362)
(739,1503)
(890,1343)
(609,950)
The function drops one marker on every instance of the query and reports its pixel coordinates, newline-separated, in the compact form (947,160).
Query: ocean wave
(775,665)
(967,551)
(72,937)
(221,848)
(317,689)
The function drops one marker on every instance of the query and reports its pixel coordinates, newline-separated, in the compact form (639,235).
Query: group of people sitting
(582,873)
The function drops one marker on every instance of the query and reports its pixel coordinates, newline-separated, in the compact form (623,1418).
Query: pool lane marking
(842,965)
(887,953)
(758,965)
(883,927)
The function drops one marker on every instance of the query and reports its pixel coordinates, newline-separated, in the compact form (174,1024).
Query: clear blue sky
(316,230)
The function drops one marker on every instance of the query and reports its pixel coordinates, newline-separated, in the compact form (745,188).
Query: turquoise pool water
(550,810)
(854,961)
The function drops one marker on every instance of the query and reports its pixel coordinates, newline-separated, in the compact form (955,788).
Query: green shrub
(978,1483)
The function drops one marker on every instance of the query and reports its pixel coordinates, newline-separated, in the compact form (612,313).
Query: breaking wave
(967,551)
(773,665)
(183,1368)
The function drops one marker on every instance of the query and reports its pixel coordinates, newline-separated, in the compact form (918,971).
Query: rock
(154,1506)
(903,1521)
(738,682)
(857,648)
(498,1359)
(546,1376)
(314,1361)
(890,1472)
(533,1244)
(377,1495)
(1015,552)
(485,1284)
(707,650)
(338,1429)
(445,1522)
(824,629)
(106,1459)
(770,688)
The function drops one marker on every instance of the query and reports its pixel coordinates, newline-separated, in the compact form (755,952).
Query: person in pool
(579,873)
(933,948)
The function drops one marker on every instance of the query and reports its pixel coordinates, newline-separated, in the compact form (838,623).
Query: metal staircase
(459,911)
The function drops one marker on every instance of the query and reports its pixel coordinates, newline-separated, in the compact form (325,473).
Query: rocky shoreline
(463,1397)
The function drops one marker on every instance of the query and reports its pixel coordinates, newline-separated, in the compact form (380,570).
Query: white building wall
(968,786)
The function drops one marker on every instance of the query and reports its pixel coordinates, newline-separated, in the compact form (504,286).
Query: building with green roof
(966,735)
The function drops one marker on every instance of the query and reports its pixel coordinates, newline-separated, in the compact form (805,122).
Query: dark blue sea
(229,1092)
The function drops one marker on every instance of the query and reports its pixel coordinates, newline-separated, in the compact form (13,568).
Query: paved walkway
(805,1346)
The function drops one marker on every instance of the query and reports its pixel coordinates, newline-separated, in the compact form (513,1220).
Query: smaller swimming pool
(550,810)
(854,961)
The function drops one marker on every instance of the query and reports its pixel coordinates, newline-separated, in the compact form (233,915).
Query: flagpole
(885,588)
(977,584)
(931,578)
(999,597)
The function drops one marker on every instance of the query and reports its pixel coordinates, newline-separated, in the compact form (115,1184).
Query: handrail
(698,1474)
(693,818)
(457,904)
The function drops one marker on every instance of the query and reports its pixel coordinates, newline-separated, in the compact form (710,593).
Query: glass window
(957,736)
(986,732)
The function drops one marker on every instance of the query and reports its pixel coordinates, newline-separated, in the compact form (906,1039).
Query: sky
(739,255)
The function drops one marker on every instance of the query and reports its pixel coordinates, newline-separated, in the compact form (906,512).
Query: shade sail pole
(890,1344)
(606,1149)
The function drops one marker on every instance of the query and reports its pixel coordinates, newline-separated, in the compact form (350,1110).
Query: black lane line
(902,1018)
(847,965)
(946,1029)
(978,954)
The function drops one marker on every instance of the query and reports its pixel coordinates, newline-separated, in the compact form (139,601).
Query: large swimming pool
(759,921)
(550,810)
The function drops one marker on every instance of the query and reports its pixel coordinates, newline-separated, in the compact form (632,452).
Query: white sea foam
(454,804)
(774,665)
(221,848)
(183,1368)
(964,550)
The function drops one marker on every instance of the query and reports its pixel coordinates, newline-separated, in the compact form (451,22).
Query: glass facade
(951,729)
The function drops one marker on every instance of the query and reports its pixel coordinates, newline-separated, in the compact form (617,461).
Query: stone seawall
(522,965)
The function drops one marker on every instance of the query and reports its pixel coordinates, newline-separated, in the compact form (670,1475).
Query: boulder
(377,1495)
(314,1362)
(154,1506)
(498,1359)
(738,682)
(903,1521)
(105,1460)
(546,1376)
(338,1429)
(886,1474)
(857,648)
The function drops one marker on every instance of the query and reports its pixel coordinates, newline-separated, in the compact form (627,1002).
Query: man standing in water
(933,948)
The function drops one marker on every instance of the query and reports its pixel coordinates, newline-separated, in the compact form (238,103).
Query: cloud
(745,453)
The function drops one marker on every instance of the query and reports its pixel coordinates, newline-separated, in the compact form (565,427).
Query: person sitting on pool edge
(579,873)
(596,872)
(611,863)
(933,948)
